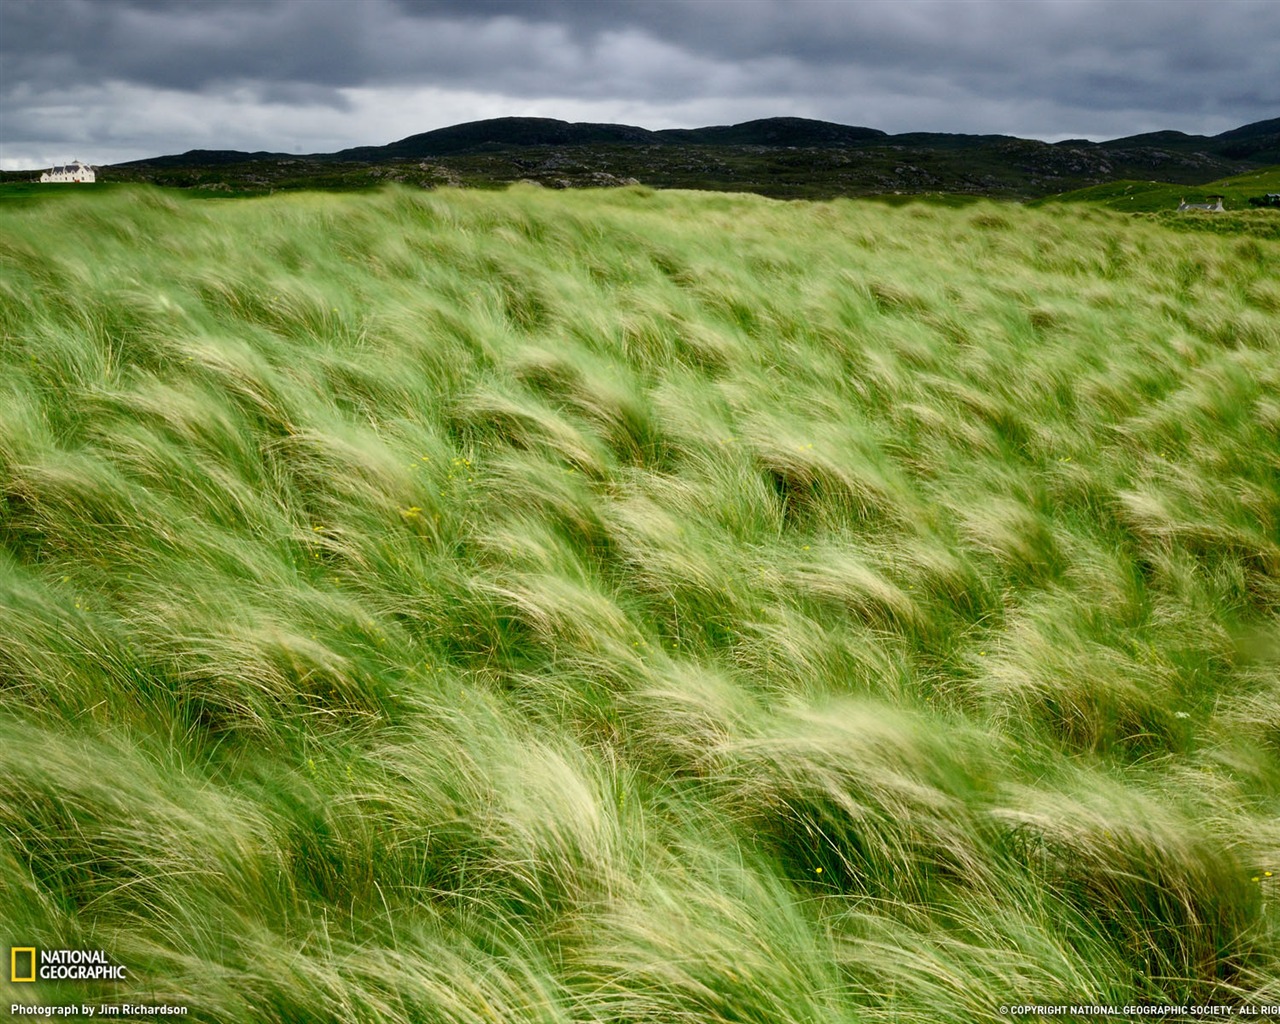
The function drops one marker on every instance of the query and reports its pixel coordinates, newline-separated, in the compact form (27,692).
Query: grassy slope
(637,607)
(1158,196)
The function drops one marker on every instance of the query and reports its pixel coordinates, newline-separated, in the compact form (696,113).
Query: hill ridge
(1258,141)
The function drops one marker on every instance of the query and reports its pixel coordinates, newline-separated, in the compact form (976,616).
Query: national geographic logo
(27,963)
(25,955)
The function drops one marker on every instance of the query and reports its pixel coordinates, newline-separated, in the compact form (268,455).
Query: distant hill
(497,134)
(785,157)
(774,131)
(1258,142)
(505,133)
(206,158)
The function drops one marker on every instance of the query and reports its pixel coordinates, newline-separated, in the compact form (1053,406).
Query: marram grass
(637,607)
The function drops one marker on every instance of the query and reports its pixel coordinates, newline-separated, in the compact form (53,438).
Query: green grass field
(1163,196)
(637,607)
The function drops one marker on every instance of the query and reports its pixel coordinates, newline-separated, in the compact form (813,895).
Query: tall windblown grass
(637,607)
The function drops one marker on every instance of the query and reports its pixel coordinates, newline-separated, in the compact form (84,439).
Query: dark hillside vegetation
(630,606)
(780,157)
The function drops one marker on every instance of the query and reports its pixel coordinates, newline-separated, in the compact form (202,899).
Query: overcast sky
(112,80)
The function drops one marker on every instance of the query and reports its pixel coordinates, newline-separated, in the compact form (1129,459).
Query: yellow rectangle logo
(13,962)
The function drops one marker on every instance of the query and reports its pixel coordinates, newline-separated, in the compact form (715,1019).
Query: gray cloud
(129,78)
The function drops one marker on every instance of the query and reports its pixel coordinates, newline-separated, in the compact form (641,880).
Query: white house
(74,171)
(1214,206)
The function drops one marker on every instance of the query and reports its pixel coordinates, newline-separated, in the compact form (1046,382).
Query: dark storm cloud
(1048,68)
(1093,53)
(186,46)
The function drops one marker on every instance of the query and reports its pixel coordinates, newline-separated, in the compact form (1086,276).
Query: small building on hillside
(1214,205)
(74,172)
